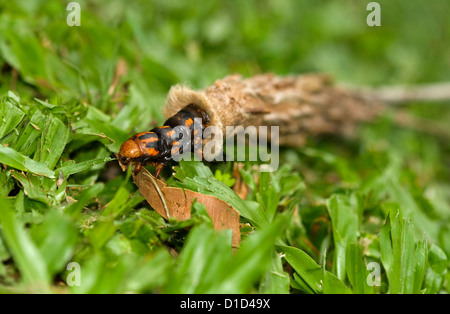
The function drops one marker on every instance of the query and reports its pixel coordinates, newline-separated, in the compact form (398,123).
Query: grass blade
(357,270)
(30,262)
(402,258)
(436,271)
(73,168)
(14,159)
(85,197)
(344,217)
(306,268)
(28,140)
(53,140)
(10,116)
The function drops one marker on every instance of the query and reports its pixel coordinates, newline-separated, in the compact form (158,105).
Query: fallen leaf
(172,202)
(240,187)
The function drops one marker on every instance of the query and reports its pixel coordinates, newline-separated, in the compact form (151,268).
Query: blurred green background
(84,111)
(196,42)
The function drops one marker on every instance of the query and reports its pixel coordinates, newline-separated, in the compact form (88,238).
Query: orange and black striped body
(158,146)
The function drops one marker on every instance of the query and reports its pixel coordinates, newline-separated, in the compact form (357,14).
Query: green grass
(313,226)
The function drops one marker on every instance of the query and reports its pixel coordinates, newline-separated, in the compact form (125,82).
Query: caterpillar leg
(137,168)
(159,168)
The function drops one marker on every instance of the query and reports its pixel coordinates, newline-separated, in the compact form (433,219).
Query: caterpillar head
(140,149)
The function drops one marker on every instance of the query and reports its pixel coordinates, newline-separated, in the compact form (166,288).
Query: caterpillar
(158,146)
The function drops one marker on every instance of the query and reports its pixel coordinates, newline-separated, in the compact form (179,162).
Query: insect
(158,146)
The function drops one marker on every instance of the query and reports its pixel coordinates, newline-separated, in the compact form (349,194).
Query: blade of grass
(332,285)
(254,257)
(53,140)
(31,264)
(73,168)
(275,280)
(208,184)
(152,274)
(28,140)
(420,258)
(6,184)
(102,231)
(31,186)
(204,246)
(402,258)
(85,197)
(55,250)
(307,269)
(14,159)
(357,270)
(117,204)
(436,271)
(344,217)
(10,116)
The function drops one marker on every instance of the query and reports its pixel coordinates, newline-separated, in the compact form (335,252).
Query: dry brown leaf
(176,203)
(239,187)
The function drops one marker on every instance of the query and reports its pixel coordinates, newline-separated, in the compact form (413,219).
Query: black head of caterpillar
(157,146)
